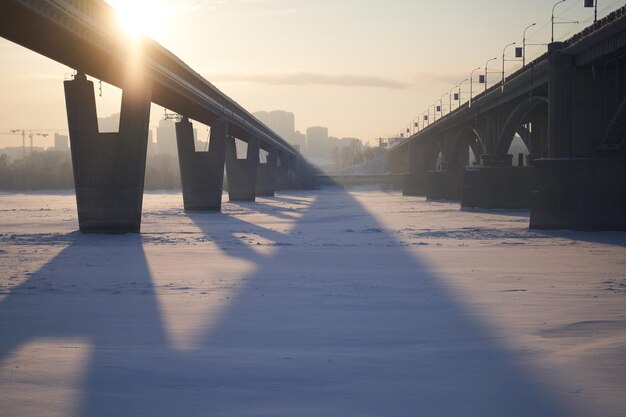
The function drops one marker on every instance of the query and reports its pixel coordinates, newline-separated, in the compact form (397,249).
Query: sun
(140,17)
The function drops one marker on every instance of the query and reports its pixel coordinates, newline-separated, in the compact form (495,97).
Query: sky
(362,68)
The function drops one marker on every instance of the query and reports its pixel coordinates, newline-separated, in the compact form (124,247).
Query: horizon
(387,79)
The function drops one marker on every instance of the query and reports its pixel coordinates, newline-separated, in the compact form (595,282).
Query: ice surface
(328,303)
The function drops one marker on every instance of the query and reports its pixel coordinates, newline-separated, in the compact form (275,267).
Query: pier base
(580,194)
(201,173)
(493,187)
(109,168)
(444,185)
(241,174)
(266,176)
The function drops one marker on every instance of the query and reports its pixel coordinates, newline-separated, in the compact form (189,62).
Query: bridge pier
(581,185)
(241,174)
(580,194)
(108,168)
(266,175)
(445,184)
(416,179)
(201,173)
(497,184)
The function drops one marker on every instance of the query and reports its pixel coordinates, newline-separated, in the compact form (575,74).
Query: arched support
(514,120)
(466,136)
(109,168)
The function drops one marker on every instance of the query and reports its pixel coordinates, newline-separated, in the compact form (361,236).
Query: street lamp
(564,22)
(524,44)
(461,83)
(471,82)
(441,102)
(486,72)
(503,59)
(450,97)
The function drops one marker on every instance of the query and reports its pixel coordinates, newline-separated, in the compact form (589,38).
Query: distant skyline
(362,68)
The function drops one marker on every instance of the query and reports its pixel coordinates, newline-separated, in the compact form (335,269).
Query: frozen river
(330,303)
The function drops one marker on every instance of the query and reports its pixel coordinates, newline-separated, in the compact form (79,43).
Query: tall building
(283,123)
(316,135)
(166,137)
(263,116)
(61,143)
(110,123)
(280,121)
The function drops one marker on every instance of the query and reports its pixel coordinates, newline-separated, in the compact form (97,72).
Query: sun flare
(141,17)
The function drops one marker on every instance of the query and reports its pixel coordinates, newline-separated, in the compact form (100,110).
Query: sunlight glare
(141,17)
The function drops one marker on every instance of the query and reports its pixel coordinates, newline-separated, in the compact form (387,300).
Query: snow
(326,303)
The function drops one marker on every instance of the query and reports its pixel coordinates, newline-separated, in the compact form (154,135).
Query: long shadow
(339,325)
(335,328)
(606,238)
(98,290)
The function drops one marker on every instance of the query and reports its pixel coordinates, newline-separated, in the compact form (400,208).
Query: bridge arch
(514,121)
(466,136)
(434,155)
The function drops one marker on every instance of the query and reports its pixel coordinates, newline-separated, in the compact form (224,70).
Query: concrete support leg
(201,173)
(415,180)
(445,185)
(292,179)
(241,173)
(266,175)
(109,168)
(281,172)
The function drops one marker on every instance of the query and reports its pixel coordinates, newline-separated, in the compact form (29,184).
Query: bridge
(109,167)
(569,108)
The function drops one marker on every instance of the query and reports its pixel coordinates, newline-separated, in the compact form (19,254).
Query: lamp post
(524,44)
(441,102)
(450,97)
(461,83)
(486,66)
(471,82)
(552,19)
(503,59)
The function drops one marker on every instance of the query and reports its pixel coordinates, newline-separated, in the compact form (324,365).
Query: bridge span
(109,167)
(568,106)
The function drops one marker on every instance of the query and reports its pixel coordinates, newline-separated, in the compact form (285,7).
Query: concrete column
(560,67)
(415,180)
(292,181)
(281,171)
(266,175)
(201,173)
(241,173)
(109,168)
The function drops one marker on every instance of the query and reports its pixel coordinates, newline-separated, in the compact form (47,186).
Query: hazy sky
(363,68)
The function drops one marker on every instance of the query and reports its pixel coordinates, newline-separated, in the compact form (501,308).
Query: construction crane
(30,134)
(23,139)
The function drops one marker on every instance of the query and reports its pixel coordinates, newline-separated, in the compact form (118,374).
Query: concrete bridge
(109,167)
(569,108)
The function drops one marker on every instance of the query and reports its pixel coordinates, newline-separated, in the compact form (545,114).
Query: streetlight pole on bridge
(524,44)
(471,82)
(441,103)
(486,70)
(450,97)
(504,59)
(460,84)
(559,23)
